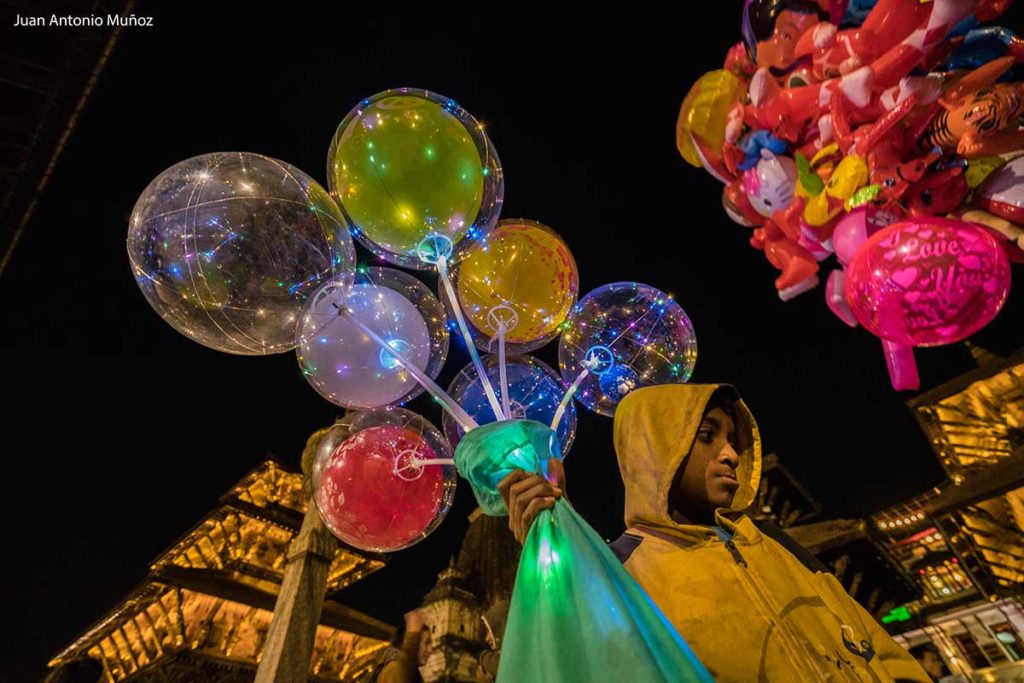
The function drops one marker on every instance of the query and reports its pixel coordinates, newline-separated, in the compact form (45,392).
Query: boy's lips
(729,477)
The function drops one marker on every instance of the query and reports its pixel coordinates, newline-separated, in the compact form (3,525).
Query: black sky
(121,433)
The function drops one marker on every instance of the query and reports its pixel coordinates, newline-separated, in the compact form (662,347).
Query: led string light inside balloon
(446,401)
(435,249)
(642,346)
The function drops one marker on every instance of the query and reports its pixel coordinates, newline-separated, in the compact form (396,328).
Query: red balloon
(928,281)
(372,496)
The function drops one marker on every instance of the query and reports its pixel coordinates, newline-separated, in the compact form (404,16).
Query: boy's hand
(525,495)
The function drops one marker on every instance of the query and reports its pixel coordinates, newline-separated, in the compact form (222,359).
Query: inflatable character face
(775,27)
(988,111)
(771,185)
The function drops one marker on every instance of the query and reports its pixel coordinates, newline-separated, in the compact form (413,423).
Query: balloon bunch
(887,133)
(248,255)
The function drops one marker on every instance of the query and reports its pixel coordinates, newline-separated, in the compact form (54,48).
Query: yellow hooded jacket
(749,609)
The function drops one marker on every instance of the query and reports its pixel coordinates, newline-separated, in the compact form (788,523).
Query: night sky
(121,433)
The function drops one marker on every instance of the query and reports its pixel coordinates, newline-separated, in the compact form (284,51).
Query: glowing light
(388,360)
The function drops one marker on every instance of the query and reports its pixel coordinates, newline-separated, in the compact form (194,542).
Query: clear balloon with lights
(621,337)
(389,484)
(229,247)
(531,391)
(516,283)
(346,365)
(406,164)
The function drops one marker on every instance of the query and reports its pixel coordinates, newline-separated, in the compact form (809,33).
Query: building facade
(963,542)
(204,611)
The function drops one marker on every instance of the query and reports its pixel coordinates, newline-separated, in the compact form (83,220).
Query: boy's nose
(730,456)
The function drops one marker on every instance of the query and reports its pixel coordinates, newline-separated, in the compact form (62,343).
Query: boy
(690,457)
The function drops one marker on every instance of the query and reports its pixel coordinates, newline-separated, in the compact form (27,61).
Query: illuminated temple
(203,612)
(947,566)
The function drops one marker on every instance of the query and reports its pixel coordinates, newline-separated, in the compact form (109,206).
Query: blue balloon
(982,45)
(534,391)
(621,337)
(619,381)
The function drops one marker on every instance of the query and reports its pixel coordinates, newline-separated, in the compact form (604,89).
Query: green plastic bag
(576,614)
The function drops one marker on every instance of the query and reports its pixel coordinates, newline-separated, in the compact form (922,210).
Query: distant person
(927,655)
(494,630)
(408,651)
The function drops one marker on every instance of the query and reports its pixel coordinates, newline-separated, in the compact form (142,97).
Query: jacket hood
(655,428)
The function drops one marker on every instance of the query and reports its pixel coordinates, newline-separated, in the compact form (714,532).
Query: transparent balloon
(350,369)
(389,484)
(534,392)
(928,281)
(327,444)
(626,335)
(521,275)
(406,164)
(229,247)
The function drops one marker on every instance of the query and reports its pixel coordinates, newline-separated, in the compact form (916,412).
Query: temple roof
(213,591)
(977,419)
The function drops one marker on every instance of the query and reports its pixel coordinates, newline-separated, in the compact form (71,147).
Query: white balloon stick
(571,391)
(492,398)
(505,404)
(453,408)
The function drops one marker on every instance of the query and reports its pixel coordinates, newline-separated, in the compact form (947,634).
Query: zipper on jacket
(749,579)
(735,552)
(737,556)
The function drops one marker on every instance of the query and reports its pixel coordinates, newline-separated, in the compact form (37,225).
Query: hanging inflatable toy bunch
(886,133)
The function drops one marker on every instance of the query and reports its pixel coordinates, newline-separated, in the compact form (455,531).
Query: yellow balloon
(704,112)
(848,176)
(524,266)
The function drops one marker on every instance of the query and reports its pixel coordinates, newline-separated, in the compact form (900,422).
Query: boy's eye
(705,434)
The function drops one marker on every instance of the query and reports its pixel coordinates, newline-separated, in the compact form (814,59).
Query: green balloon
(408,164)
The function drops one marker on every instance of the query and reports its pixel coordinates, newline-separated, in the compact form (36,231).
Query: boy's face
(707,479)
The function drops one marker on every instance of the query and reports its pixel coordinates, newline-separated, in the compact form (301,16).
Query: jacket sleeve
(400,669)
(890,656)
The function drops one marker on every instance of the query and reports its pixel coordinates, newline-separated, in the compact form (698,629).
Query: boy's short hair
(725,397)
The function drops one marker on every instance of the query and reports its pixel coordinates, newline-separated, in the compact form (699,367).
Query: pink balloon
(366,496)
(854,228)
(927,281)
